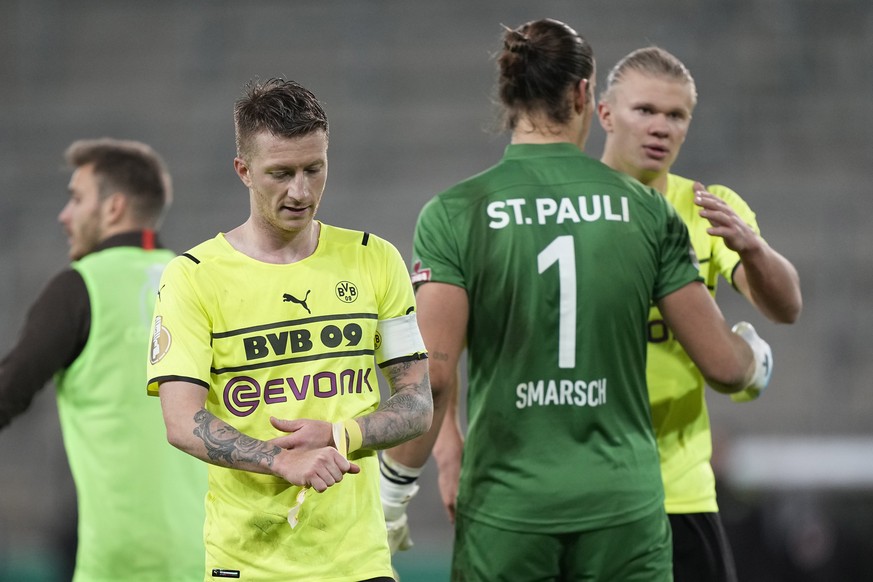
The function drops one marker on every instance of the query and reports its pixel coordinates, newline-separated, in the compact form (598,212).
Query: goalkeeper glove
(763,362)
(397,488)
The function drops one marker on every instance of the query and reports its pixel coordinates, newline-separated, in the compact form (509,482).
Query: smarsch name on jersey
(561,393)
(548,210)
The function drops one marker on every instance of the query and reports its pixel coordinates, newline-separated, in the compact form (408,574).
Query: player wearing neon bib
(646,111)
(139,500)
(264,346)
(138,521)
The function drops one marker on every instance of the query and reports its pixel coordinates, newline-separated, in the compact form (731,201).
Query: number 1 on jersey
(561,251)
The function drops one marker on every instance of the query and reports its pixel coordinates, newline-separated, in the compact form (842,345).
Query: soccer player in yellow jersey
(646,111)
(263,350)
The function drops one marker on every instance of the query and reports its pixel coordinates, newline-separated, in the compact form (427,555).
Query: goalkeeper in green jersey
(544,267)
(646,110)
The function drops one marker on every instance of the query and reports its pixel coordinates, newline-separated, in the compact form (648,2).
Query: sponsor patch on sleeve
(161,341)
(419,275)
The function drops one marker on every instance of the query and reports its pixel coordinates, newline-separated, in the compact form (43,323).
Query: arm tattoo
(227,445)
(395,373)
(407,413)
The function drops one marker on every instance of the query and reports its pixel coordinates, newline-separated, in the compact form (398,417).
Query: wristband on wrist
(339,438)
(356,438)
(347,436)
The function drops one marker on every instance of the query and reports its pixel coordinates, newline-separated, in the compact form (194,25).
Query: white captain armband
(399,338)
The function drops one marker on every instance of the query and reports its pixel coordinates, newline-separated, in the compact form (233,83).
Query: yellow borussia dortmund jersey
(676,386)
(291,341)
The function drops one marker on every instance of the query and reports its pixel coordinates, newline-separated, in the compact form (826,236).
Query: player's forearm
(407,414)
(23,373)
(442,315)
(226,446)
(201,434)
(449,443)
(53,334)
(415,453)
(773,284)
(16,392)
(733,369)
(724,359)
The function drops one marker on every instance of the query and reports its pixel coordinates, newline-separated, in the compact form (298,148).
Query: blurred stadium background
(785,118)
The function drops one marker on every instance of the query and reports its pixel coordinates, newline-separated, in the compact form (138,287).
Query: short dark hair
(284,108)
(539,63)
(129,167)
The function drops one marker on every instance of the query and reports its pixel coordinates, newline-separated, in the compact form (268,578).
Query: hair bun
(516,42)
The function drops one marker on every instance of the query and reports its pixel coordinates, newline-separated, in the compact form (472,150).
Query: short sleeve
(678,262)
(181,333)
(396,297)
(435,248)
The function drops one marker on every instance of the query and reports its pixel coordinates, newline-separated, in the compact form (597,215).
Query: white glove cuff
(763,362)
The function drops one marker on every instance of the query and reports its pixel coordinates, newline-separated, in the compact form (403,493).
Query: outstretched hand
(738,236)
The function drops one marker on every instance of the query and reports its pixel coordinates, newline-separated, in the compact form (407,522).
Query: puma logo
(288,297)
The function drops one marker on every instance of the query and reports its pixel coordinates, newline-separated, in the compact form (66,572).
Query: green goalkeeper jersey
(676,386)
(561,258)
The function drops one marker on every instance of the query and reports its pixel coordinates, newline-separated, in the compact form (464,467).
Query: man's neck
(543,131)
(142,238)
(268,246)
(658,181)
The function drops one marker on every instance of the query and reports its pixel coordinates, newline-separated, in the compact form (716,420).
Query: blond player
(646,110)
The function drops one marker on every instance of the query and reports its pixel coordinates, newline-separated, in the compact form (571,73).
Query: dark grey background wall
(784,118)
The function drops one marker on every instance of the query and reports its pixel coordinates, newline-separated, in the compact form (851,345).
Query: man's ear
(605,115)
(242,170)
(581,95)
(115,208)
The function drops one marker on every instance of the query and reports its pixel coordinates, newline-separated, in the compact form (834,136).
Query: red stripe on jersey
(148,239)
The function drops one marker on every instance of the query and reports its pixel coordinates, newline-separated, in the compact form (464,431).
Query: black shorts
(701,552)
